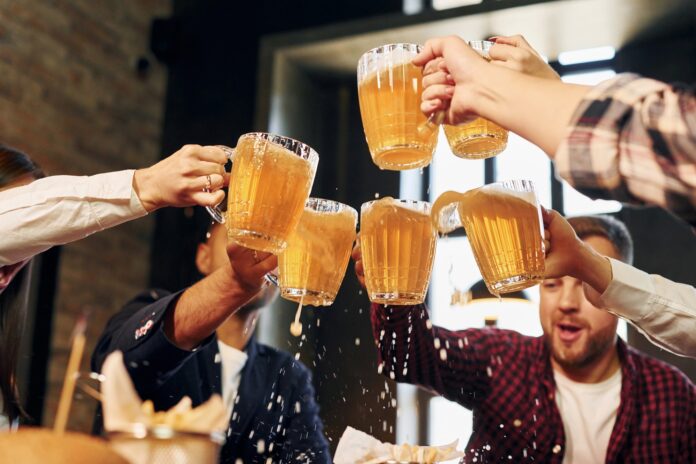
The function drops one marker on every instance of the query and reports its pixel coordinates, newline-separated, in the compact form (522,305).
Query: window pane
(448,172)
(524,160)
(446,4)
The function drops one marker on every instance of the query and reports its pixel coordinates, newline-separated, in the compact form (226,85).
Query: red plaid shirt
(507,380)
(634,139)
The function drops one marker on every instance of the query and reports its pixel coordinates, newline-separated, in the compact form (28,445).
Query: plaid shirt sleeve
(455,364)
(633,139)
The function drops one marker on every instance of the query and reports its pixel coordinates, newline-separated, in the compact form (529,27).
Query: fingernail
(449,91)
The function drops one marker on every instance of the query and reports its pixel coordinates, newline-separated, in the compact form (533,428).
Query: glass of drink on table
(270,182)
(504,226)
(479,138)
(314,263)
(389,90)
(397,240)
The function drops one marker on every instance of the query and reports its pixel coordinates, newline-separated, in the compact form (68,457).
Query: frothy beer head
(504,227)
(398,245)
(270,182)
(314,263)
(389,92)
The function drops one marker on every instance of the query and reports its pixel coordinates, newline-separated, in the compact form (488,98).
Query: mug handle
(214,211)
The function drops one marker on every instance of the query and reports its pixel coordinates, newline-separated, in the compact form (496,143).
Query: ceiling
(551,27)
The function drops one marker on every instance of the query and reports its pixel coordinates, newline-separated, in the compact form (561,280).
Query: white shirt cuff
(629,293)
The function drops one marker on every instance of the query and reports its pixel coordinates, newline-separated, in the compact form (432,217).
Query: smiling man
(577,394)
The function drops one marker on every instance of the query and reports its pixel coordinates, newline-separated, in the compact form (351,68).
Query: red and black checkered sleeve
(454,364)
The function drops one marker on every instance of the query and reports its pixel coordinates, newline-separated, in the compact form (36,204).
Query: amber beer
(397,240)
(314,263)
(480,138)
(505,230)
(389,90)
(269,185)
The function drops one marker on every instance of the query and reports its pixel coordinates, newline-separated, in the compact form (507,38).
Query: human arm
(158,333)
(412,350)
(497,93)
(628,138)
(663,310)
(514,52)
(60,209)
(204,306)
(632,139)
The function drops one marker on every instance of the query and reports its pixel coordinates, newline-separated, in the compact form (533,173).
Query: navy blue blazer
(276,415)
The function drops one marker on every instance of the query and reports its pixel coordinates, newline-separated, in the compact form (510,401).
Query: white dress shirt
(588,411)
(61,209)
(663,310)
(232,362)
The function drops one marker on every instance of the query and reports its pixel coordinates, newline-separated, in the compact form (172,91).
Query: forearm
(60,209)
(665,311)
(593,269)
(204,307)
(414,351)
(537,109)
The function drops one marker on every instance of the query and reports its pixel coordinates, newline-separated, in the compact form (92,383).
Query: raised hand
(250,266)
(193,175)
(514,52)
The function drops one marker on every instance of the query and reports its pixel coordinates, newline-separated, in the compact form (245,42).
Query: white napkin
(356,447)
(123,407)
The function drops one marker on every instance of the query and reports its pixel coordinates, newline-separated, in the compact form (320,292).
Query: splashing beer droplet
(296,326)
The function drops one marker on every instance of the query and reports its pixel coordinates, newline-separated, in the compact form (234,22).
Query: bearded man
(577,394)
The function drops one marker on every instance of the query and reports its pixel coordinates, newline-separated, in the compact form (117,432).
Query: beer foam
(382,58)
(390,206)
(498,189)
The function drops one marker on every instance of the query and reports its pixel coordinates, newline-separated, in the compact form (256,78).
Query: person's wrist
(143,182)
(484,99)
(242,285)
(593,268)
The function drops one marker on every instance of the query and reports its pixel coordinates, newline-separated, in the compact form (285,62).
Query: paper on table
(123,407)
(356,447)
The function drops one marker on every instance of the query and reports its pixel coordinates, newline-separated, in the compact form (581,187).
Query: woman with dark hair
(15,169)
(35,216)
(38,212)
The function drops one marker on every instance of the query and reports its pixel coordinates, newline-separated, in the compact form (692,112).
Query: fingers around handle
(214,211)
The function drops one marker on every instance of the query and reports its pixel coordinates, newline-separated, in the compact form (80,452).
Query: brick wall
(71,98)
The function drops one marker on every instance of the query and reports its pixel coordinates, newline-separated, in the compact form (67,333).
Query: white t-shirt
(233,361)
(588,411)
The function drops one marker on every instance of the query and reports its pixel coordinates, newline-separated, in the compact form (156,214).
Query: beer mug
(389,90)
(480,138)
(269,184)
(397,240)
(314,263)
(505,230)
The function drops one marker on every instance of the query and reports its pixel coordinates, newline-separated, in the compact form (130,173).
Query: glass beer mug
(504,226)
(479,138)
(314,263)
(397,240)
(389,90)
(270,182)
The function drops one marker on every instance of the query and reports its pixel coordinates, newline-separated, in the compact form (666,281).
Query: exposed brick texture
(71,98)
